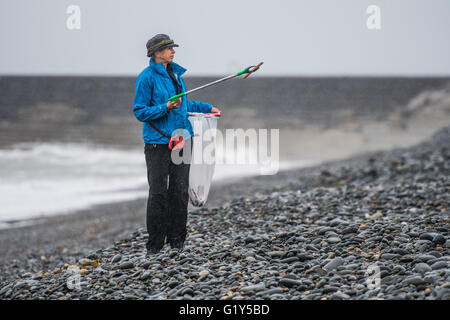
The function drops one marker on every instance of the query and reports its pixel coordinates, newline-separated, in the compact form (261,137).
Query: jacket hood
(159,67)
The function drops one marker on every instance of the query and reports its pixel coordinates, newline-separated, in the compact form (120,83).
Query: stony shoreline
(370,227)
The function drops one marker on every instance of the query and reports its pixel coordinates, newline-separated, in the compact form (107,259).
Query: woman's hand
(215,110)
(173,104)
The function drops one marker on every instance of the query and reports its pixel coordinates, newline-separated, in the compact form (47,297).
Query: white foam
(38,180)
(44,179)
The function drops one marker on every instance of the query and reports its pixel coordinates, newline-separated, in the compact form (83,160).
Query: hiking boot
(152,251)
(178,245)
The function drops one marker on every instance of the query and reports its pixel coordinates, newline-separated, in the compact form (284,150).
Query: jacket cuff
(163,109)
(208,108)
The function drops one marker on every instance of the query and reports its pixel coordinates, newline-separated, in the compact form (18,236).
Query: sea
(68,143)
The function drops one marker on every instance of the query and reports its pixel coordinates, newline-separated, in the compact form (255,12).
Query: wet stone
(439,265)
(253,288)
(427,236)
(286,282)
(438,239)
(333,264)
(334,239)
(126,265)
(421,268)
(389,256)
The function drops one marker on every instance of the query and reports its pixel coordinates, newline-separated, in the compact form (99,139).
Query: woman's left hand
(215,110)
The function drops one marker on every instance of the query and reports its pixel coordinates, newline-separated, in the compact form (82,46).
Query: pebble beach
(374,226)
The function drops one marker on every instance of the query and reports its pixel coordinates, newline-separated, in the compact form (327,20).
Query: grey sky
(313,37)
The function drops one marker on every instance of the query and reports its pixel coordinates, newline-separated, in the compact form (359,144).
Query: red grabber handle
(253,70)
(176,142)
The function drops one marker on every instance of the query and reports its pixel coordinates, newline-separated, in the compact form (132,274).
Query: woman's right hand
(173,104)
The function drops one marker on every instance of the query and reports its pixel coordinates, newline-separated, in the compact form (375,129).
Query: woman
(168,183)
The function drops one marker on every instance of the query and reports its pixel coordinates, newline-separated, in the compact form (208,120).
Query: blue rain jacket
(153,89)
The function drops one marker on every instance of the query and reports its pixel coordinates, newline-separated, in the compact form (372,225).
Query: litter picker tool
(246,72)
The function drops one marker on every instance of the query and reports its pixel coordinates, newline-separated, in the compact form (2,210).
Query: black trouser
(168,199)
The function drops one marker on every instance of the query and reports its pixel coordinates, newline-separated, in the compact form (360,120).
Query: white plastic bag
(202,169)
